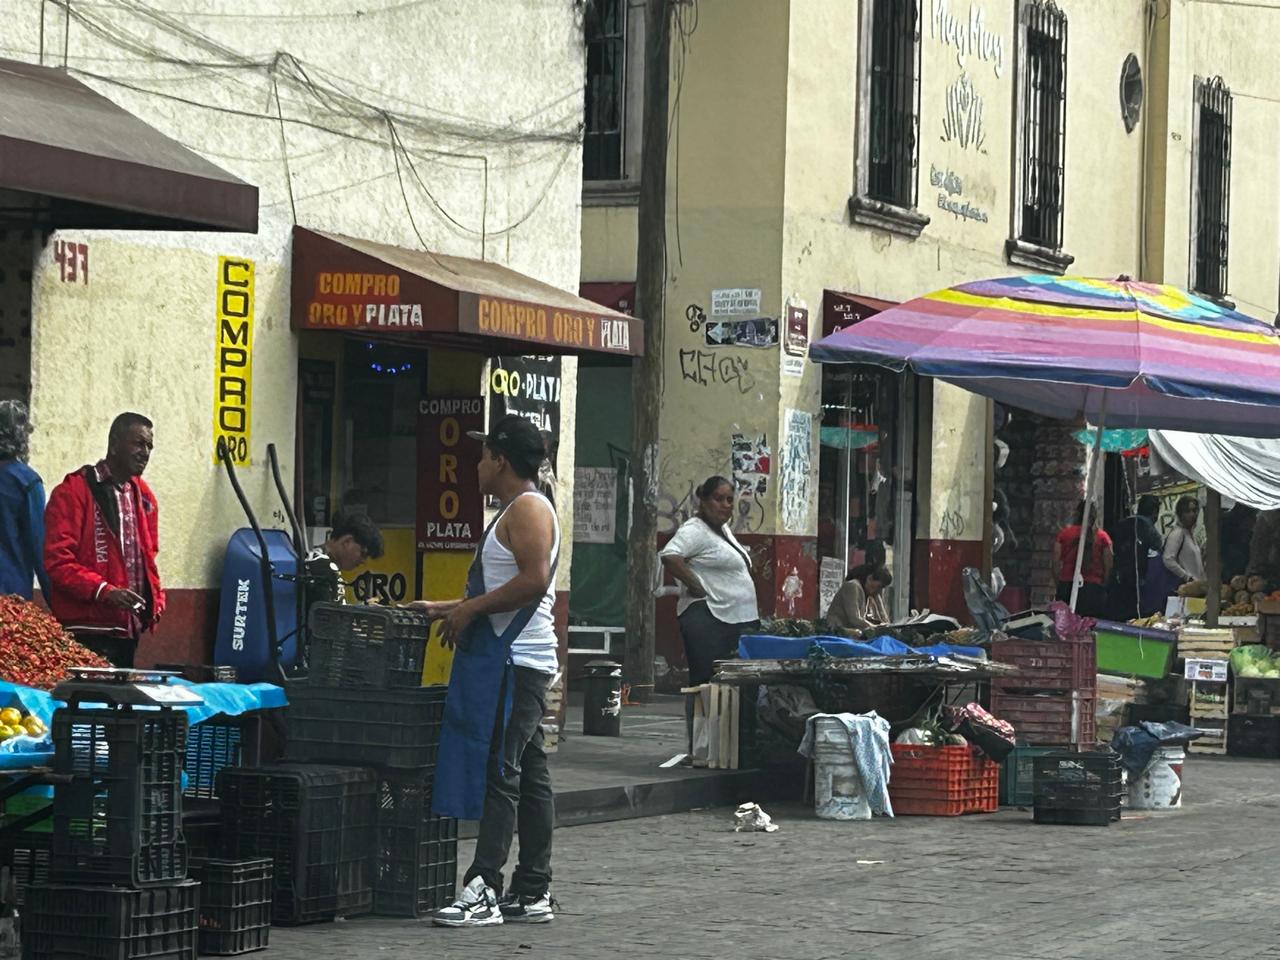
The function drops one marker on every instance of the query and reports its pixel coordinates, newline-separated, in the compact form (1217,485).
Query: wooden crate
(716,711)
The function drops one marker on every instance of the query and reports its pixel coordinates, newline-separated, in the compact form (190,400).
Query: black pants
(1091,602)
(707,639)
(519,790)
(116,650)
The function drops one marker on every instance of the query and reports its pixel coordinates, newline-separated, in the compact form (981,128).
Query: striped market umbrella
(1117,352)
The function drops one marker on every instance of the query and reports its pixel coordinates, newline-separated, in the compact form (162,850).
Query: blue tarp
(231,699)
(762,647)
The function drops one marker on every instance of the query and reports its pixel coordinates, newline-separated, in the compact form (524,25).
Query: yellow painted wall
(1232,41)
(140,336)
(824,250)
(731,126)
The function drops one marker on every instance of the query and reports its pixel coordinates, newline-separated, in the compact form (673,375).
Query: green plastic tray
(1134,651)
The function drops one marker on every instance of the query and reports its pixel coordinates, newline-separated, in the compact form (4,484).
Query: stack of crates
(315,823)
(1054,697)
(117,880)
(363,698)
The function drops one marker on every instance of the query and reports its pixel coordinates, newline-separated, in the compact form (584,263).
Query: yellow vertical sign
(233,360)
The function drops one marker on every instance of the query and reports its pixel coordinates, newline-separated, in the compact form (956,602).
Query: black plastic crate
(27,860)
(316,823)
(1253,737)
(357,646)
(416,854)
(119,820)
(235,905)
(1077,788)
(71,922)
(394,728)
(211,745)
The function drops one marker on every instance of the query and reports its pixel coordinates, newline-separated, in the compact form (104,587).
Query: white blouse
(721,563)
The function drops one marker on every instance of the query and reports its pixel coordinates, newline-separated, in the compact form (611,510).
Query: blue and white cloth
(869,744)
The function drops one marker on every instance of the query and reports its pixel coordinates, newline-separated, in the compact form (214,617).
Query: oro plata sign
(497,317)
(450,509)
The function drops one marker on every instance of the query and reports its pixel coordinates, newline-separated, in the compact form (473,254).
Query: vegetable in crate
(1239,582)
(1256,585)
(34,649)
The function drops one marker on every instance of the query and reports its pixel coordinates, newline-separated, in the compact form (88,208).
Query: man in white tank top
(518,556)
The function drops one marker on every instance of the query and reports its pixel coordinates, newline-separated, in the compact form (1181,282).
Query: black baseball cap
(515,438)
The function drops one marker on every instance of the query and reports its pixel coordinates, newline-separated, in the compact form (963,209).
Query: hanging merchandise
(1113,441)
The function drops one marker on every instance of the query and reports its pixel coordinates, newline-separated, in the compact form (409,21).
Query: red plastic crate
(941,782)
(1049,664)
(1045,719)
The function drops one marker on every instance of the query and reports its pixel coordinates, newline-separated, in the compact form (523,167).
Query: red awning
(374,289)
(619,295)
(840,310)
(72,158)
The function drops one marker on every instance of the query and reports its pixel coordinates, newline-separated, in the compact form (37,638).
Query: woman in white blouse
(717,596)
(1181,552)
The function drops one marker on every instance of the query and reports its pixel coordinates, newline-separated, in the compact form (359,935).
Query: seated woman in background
(859,603)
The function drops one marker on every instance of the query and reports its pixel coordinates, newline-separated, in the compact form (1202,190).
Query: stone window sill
(1020,253)
(887,216)
(611,193)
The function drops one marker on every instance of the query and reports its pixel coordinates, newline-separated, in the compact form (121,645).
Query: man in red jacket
(101,537)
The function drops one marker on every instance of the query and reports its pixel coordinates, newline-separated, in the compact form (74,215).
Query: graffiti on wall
(749,466)
(797,457)
(951,195)
(706,368)
(962,117)
(967,35)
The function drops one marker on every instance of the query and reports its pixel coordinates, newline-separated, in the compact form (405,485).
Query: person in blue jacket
(21,507)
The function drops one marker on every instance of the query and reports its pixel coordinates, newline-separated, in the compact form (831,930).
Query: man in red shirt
(101,538)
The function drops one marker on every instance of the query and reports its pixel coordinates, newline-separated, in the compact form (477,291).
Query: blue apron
(480,680)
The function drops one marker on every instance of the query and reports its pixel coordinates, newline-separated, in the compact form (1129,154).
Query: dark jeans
(707,639)
(1091,602)
(519,790)
(118,651)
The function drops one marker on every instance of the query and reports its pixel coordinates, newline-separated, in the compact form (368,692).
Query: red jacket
(79,574)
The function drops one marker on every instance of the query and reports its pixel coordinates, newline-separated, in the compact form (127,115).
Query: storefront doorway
(866,477)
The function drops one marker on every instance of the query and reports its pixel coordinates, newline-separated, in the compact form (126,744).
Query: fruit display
(34,649)
(15,723)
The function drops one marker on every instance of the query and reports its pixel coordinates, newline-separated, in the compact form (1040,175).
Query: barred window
(606,84)
(1043,121)
(1211,198)
(893,134)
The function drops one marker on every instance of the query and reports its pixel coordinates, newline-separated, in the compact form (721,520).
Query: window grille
(1212,187)
(606,84)
(1044,127)
(895,102)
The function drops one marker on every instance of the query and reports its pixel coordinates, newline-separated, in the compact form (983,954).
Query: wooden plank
(713,727)
(735,732)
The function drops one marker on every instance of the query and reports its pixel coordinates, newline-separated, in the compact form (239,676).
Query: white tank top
(536,645)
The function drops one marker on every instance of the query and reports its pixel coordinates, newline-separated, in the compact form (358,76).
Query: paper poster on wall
(595,504)
(758,332)
(830,579)
(735,302)
(793,366)
(797,462)
(797,341)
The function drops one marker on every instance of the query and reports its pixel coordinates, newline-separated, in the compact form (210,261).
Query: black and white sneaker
(476,906)
(518,908)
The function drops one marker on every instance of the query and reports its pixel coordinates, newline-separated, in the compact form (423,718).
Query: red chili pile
(34,649)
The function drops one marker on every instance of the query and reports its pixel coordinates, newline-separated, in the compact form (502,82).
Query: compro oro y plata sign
(233,359)
(450,508)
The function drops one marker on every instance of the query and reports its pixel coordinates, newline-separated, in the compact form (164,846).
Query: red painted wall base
(935,578)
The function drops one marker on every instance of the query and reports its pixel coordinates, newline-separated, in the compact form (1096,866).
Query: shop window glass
(381,389)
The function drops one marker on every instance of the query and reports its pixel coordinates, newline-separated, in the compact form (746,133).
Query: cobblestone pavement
(1199,883)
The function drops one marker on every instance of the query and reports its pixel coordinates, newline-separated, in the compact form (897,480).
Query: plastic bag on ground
(751,817)
(1136,745)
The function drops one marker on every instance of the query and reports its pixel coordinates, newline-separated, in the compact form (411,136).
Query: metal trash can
(602,699)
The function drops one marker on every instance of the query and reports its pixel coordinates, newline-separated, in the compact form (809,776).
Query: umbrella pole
(1091,473)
